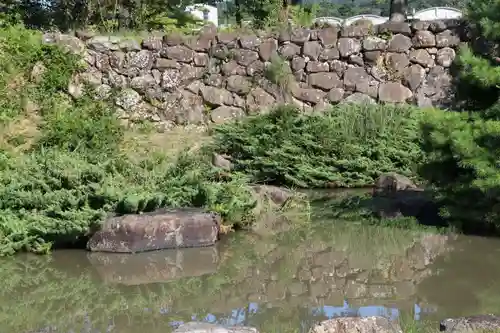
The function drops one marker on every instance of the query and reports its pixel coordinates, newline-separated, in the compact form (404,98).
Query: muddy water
(278,284)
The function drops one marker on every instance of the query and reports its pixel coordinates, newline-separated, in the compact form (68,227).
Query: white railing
(433,13)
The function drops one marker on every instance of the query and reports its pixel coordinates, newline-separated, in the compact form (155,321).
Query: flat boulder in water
(357,325)
(162,229)
(197,327)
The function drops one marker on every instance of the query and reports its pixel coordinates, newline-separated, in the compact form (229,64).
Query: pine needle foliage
(75,172)
(347,146)
(464,148)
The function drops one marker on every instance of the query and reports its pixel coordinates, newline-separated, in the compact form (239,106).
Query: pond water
(282,283)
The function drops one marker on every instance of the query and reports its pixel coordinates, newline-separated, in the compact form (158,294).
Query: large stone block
(163,229)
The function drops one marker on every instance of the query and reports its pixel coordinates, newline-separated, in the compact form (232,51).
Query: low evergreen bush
(75,169)
(347,146)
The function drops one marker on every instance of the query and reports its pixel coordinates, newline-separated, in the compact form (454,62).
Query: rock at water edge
(162,229)
(357,325)
(196,327)
(478,323)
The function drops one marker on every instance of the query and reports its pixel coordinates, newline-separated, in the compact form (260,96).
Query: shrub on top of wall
(347,146)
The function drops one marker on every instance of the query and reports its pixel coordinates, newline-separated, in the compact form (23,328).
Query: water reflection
(279,284)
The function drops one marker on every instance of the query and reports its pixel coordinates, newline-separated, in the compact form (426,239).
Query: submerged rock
(392,182)
(357,325)
(476,323)
(197,327)
(278,195)
(396,195)
(163,229)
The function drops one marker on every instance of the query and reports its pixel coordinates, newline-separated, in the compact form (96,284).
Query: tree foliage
(99,14)
(464,148)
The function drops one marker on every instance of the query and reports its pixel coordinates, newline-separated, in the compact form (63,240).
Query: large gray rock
(392,182)
(197,327)
(478,323)
(373,324)
(163,229)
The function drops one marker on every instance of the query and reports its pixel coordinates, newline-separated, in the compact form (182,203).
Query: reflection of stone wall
(321,275)
(313,274)
(217,76)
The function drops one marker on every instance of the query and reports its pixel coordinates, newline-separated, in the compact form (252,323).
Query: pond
(282,283)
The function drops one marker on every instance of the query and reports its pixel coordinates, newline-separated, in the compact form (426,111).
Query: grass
(142,143)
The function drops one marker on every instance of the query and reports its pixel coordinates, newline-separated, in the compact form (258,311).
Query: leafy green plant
(279,72)
(303,16)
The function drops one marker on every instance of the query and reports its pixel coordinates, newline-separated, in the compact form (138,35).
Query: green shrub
(463,159)
(464,148)
(77,170)
(57,197)
(20,50)
(347,146)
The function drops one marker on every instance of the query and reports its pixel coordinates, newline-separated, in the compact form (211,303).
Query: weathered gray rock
(348,46)
(245,57)
(224,113)
(128,98)
(317,66)
(359,98)
(399,43)
(393,92)
(393,182)
(268,49)
(414,76)
(312,50)
(354,76)
(313,96)
(288,51)
(477,323)
(373,43)
(424,38)
(325,81)
(216,96)
(336,95)
(259,101)
(445,56)
(238,84)
(163,229)
(328,36)
(421,57)
(199,327)
(447,38)
(278,195)
(357,325)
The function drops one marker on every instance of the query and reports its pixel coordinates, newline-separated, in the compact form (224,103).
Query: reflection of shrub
(346,146)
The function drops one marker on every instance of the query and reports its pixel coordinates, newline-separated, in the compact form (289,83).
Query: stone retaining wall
(216,76)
